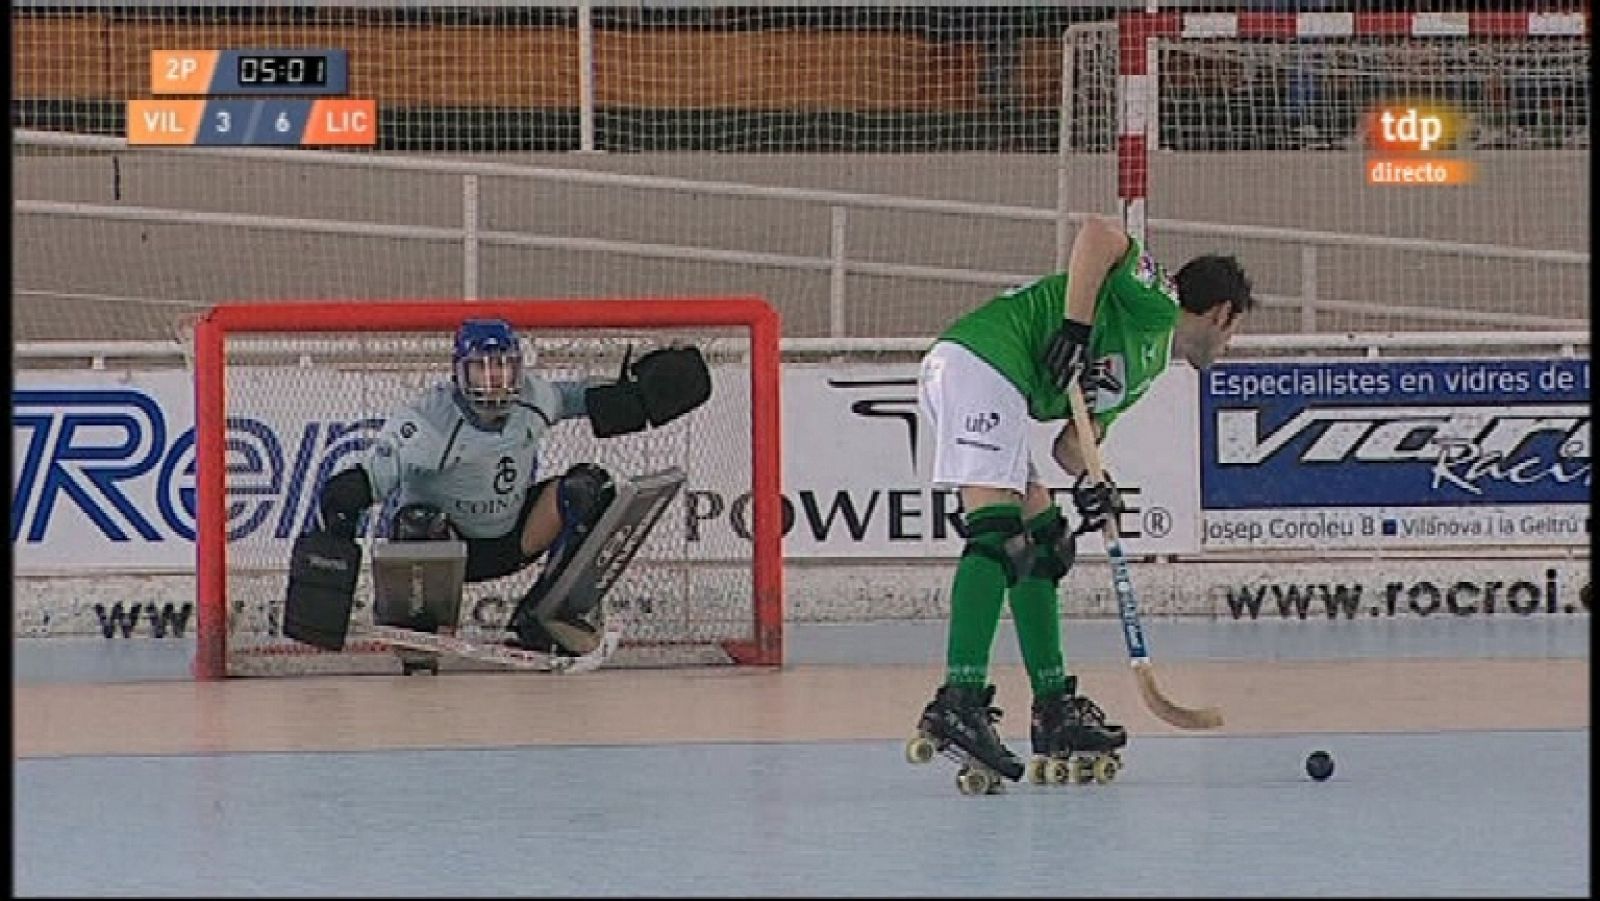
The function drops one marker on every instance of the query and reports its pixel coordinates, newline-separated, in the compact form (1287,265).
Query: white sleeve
(553,401)
(408,443)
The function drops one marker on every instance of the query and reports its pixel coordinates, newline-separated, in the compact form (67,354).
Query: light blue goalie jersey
(429,452)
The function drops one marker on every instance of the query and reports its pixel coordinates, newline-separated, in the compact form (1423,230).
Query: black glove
(1096,504)
(344,498)
(323,568)
(1067,354)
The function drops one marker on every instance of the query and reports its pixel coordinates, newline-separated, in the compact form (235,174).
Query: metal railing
(838,263)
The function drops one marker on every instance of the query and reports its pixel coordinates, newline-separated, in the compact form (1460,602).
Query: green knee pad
(1002,538)
(1055,548)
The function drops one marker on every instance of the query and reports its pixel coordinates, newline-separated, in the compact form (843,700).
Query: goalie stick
(1127,603)
(515,658)
(584,579)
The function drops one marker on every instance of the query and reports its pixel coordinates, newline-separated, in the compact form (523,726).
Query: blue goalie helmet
(487,365)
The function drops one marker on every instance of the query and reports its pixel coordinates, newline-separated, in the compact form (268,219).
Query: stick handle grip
(1091,454)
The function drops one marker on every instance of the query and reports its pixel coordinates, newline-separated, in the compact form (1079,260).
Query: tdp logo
(1405,128)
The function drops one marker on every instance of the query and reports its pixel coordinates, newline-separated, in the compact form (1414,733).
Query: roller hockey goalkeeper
(459,467)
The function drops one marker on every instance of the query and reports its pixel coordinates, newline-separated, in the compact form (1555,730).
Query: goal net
(1270,124)
(288,394)
(938,122)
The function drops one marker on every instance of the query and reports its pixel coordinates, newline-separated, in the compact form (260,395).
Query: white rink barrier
(1291,590)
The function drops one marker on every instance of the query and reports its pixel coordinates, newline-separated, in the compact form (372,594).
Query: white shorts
(978,420)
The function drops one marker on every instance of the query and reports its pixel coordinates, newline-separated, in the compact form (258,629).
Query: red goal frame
(210,361)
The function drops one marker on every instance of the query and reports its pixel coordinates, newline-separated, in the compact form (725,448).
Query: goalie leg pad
(583,494)
(416,585)
(1055,546)
(571,590)
(672,381)
(412,522)
(322,585)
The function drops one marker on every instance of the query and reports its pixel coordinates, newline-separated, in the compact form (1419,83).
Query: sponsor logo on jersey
(1149,273)
(983,423)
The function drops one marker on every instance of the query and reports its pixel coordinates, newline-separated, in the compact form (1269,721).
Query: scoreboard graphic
(282,97)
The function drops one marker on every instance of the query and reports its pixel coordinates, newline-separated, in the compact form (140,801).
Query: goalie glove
(659,387)
(672,381)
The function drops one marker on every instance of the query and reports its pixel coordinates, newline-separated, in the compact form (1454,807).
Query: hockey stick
(515,658)
(1127,603)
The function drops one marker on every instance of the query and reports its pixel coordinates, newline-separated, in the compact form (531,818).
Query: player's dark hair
(1208,280)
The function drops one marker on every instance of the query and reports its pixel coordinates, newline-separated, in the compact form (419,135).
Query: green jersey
(1135,314)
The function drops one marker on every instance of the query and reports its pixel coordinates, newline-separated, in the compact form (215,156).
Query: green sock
(976,599)
(1036,613)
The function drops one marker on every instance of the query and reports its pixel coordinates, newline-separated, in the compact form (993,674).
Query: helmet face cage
(488,366)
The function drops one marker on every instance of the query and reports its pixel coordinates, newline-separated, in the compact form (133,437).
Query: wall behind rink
(71,272)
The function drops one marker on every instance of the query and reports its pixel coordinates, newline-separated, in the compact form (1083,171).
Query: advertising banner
(1395,453)
(103,471)
(103,478)
(857,464)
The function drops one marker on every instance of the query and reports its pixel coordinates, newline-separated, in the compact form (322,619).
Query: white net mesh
(927,104)
(1260,149)
(943,124)
(1509,249)
(302,407)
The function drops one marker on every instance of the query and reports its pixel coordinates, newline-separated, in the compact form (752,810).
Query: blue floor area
(1504,813)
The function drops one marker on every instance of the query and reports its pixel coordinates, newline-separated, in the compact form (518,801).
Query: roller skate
(1072,742)
(960,724)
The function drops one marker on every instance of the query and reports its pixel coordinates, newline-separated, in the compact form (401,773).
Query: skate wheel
(1080,770)
(1105,769)
(972,781)
(919,750)
(1057,772)
(1036,770)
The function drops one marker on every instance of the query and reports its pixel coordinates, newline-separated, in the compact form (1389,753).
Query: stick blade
(1167,711)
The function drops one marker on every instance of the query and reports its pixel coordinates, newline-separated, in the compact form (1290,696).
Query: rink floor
(1461,749)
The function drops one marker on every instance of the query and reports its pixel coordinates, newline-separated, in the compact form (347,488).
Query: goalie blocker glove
(324,564)
(659,387)
(322,588)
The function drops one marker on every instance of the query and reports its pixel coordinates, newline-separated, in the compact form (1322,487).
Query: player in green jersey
(1112,322)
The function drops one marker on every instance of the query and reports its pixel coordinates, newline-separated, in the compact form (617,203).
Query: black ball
(1319,765)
